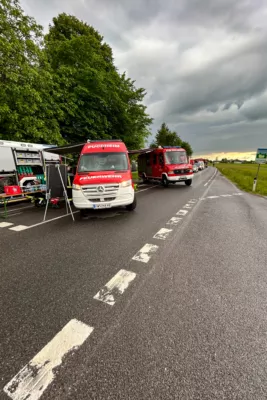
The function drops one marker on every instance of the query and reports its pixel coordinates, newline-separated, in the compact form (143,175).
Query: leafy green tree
(27,92)
(188,148)
(97,102)
(166,137)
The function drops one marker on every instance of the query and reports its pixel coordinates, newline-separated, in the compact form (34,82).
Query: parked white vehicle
(201,165)
(195,168)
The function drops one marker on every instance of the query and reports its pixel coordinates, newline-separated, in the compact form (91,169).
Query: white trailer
(22,162)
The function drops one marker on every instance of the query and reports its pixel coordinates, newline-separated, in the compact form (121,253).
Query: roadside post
(261,158)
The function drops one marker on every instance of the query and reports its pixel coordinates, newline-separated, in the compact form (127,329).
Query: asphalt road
(186,321)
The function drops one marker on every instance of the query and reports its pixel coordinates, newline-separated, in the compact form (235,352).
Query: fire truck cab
(103,178)
(168,164)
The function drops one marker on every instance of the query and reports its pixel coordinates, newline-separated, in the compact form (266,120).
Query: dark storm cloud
(230,79)
(202,62)
(217,13)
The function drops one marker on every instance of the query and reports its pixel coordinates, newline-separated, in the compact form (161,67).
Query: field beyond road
(243,175)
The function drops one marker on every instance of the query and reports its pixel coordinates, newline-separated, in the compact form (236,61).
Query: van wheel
(83,213)
(165,181)
(188,182)
(132,206)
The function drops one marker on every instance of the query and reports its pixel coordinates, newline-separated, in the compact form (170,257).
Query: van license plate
(106,205)
(183,178)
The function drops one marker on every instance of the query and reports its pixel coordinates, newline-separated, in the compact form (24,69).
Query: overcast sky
(202,62)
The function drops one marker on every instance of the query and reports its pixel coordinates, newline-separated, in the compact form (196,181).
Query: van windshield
(113,161)
(175,157)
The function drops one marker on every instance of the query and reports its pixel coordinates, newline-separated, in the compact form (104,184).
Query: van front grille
(106,192)
(181,171)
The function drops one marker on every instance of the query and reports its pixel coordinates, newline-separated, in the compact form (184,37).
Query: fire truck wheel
(132,206)
(165,181)
(188,182)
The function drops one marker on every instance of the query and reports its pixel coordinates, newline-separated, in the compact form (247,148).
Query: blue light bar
(171,147)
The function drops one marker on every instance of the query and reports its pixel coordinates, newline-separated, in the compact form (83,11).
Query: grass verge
(243,175)
(135,175)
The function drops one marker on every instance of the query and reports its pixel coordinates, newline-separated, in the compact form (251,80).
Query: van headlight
(76,187)
(126,183)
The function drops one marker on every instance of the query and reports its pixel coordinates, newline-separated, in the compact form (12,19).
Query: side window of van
(155,159)
(148,160)
(161,159)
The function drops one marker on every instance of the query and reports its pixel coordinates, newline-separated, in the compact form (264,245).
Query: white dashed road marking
(162,234)
(37,375)
(115,287)
(182,212)
(174,221)
(5,224)
(188,206)
(193,201)
(18,228)
(221,195)
(145,253)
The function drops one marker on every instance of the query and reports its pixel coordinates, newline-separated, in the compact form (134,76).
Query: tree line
(63,87)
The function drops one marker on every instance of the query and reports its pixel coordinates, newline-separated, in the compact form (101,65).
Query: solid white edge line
(115,287)
(33,379)
(210,178)
(52,219)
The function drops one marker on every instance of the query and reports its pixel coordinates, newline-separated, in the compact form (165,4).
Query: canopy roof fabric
(77,148)
(67,149)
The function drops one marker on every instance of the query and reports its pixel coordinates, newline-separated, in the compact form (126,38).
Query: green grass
(135,175)
(243,175)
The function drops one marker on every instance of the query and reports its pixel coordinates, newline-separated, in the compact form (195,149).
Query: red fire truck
(103,178)
(168,164)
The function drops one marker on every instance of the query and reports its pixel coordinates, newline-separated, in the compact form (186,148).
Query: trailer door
(7,163)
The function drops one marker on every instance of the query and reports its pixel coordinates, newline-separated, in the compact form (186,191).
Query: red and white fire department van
(169,164)
(103,177)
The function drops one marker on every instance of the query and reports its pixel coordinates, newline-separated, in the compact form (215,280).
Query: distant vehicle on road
(195,168)
(103,177)
(201,165)
(205,161)
(195,165)
(168,164)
